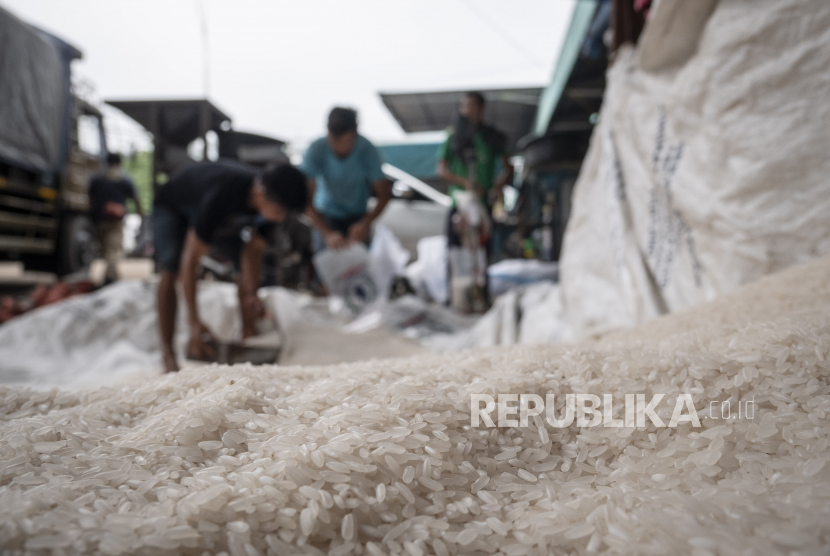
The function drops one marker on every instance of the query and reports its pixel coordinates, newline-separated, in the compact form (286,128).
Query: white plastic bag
(346,274)
(387,259)
(428,275)
(511,273)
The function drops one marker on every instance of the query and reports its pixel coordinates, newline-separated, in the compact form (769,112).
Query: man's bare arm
(333,239)
(383,193)
(250,266)
(448,176)
(359,231)
(312,212)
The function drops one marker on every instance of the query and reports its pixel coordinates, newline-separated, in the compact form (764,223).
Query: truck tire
(77,244)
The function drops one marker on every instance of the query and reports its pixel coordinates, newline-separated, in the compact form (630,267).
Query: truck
(51,142)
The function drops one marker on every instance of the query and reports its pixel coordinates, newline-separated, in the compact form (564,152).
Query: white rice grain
(279,460)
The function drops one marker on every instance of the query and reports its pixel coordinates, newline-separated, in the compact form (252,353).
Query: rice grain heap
(380,458)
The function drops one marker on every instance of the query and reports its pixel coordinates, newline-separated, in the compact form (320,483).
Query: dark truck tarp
(33,97)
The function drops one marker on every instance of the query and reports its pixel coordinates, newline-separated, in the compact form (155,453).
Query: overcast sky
(276,67)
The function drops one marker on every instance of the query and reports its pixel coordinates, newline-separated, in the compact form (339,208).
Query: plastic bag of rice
(382,457)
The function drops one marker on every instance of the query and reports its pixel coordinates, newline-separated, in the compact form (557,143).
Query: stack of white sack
(380,457)
(708,169)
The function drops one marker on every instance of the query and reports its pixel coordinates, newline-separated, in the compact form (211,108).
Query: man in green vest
(470,143)
(468,161)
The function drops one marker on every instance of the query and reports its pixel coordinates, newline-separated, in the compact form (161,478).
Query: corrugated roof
(570,104)
(178,119)
(510,110)
(581,19)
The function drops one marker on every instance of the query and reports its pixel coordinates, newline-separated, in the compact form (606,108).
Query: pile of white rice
(379,457)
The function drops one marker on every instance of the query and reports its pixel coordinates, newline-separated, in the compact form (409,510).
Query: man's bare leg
(167,304)
(248,312)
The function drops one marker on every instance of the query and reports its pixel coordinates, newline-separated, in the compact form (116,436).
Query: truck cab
(51,143)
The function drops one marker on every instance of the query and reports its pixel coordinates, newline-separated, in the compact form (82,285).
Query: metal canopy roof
(175,124)
(581,19)
(251,148)
(510,110)
(569,105)
(178,122)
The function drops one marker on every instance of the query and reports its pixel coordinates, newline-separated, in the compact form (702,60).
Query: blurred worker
(108,196)
(343,172)
(472,143)
(468,161)
(198,206)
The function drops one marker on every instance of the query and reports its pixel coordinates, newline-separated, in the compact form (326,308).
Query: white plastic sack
(511,273)
(112,333)
(525,315)
(709,166)
(428,275)
(109,333)
(346,275)
(358,276)
(387,258)
(413,317)
(542,318)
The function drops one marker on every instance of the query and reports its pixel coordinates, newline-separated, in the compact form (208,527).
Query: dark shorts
(170,227)
(341,225)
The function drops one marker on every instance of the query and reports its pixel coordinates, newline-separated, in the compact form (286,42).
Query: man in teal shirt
(344,171)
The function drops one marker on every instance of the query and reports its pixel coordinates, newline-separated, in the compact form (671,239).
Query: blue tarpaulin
(417,159)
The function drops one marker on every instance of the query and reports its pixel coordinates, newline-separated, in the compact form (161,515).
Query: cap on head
(113,159)
(476,97)
(472,107)
(342,120)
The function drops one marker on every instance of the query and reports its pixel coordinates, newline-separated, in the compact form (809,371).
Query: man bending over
(196,207)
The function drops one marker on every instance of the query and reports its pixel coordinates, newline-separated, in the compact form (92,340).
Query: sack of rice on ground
(382,457)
